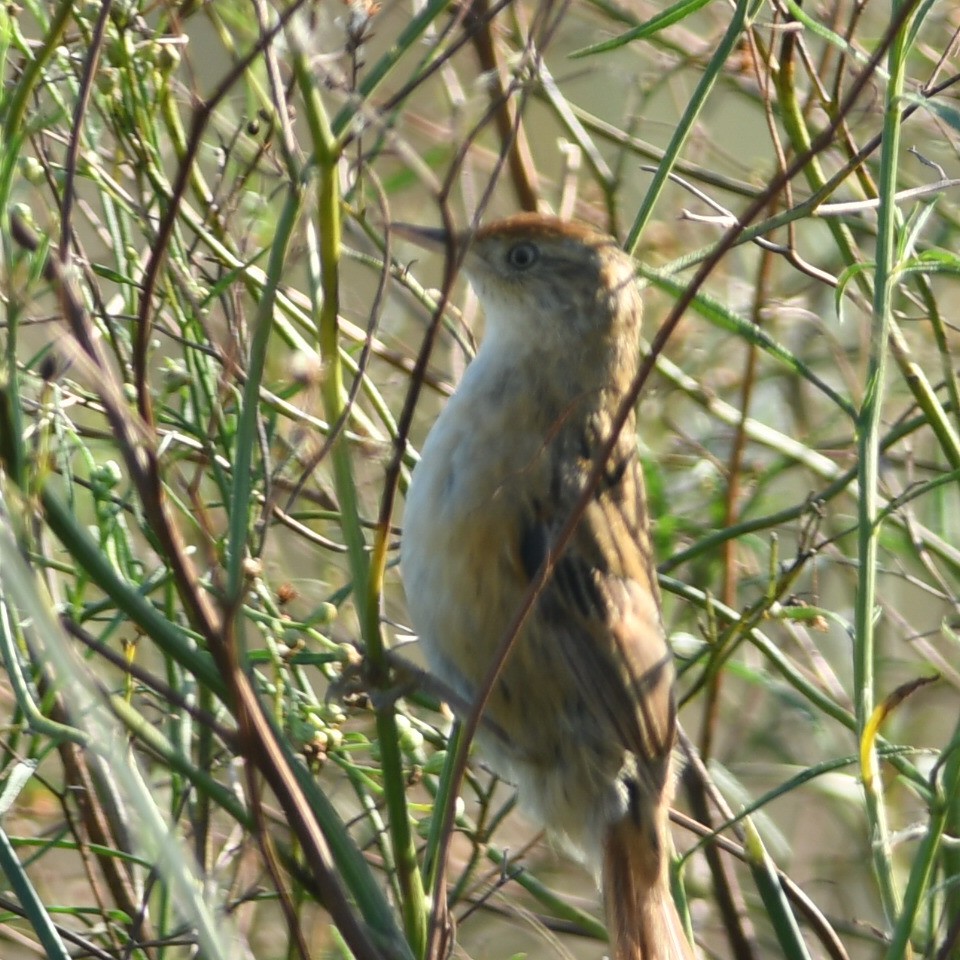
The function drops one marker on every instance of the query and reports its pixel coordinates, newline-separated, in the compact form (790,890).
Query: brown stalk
(101,829)
(73,148)
(523,171)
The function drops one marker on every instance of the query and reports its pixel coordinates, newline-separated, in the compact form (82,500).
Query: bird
(582,718)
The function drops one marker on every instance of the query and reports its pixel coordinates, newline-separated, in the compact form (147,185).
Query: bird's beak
(454,245)
(430,238)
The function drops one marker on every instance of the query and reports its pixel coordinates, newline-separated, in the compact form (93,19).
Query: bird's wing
(601,609)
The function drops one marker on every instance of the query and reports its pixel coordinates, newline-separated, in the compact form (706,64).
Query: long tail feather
(641,915)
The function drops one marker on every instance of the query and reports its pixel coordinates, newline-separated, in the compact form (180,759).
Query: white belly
(458,553)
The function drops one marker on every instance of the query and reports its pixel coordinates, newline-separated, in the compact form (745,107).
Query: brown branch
(520,163)
(73,148)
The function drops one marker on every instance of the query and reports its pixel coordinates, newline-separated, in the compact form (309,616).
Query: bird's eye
(523,255)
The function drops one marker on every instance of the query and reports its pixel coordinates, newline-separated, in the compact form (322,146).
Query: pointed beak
(435,238)
(430,238)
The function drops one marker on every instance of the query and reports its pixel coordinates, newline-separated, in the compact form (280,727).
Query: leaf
(670,16)
(946,112)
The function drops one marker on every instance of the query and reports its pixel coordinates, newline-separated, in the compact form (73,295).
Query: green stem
(38,721)
(33,907)
(366,587)
(22,91)
(376,74)
(88,557)
(942,810)
(248,426)
(807,689)
(743,11)
(868,445)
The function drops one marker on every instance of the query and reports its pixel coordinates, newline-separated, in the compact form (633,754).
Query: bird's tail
(642,918)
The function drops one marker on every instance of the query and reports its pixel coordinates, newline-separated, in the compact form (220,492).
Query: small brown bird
(582,718)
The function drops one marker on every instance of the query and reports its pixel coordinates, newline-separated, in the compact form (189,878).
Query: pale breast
(459,559)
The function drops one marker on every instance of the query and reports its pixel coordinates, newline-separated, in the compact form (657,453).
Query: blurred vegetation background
(218,366)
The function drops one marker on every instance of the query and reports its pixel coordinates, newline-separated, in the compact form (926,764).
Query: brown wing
(601,609)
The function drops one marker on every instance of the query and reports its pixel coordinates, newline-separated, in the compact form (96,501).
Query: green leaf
(723,317)
(940,108)
(670,16)
(774,899)
(33,908)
